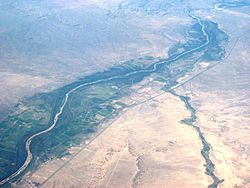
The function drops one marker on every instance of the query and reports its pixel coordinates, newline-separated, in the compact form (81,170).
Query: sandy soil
(33,61)
(146,146)
(221,97)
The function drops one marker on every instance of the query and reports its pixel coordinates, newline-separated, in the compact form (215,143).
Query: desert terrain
(125,94)
(147,145)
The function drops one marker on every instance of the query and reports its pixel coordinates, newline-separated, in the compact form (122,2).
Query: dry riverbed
(145,146)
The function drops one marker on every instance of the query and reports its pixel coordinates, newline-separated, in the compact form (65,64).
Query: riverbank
(96,93)
(221,99)
(146,145)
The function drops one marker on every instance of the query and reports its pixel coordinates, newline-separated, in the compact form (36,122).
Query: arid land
(147,145)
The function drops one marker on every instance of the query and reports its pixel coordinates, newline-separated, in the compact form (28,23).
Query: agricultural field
(103,93)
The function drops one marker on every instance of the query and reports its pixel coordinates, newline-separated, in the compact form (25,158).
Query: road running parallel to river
(154,67)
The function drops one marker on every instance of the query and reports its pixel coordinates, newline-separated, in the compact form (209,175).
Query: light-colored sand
(221,98)
(146,146)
